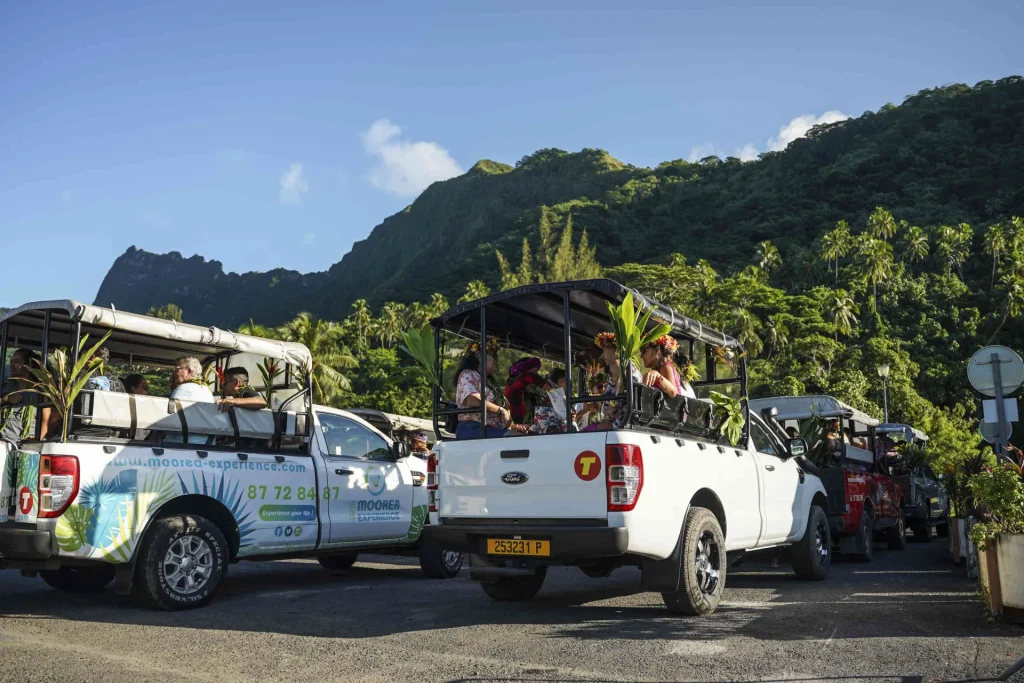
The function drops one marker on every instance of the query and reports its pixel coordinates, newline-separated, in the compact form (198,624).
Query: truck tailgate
(554,476)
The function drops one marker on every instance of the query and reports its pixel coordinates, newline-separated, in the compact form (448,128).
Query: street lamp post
(883,372)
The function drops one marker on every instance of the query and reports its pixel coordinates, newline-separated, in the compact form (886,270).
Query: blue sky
(270,134)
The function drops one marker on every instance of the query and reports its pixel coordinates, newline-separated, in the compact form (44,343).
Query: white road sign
(980,370)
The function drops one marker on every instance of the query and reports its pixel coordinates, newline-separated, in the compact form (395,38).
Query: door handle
(343,472)
(770,468)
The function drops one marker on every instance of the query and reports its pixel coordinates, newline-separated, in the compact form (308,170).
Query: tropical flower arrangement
(605,340)
(493,346)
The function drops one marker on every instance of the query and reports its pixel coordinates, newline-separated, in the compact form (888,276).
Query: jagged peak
(488,167)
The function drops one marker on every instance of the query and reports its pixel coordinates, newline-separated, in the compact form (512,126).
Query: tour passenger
(136,384)
(472,388)
(419,444)
(685,364)
(613,413)
(661,371)
(237,392)
(100,381)
(17,410)
(187,385)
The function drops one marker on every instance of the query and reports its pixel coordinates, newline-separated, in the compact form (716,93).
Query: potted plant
(955,479)
(999,495)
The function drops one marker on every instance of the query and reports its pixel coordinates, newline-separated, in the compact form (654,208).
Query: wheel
(337,562)
(922,530)
(436,563)
(516,588)
(896,537)
(865,539)
(79,579)
(702,565)
(812,555)
(942,528)
(182,563)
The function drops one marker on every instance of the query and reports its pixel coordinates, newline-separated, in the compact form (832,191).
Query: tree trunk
(993,285)
(998,329)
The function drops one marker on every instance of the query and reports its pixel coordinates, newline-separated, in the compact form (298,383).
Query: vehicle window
(351,439)
(762,442)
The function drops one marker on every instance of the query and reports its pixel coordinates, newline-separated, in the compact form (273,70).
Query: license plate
(504,546)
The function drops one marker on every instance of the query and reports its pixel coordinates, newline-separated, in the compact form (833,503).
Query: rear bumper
(568,543)
(25,543)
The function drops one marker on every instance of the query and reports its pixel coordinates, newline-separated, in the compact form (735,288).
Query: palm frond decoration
(629,325)
(221,489)
(72,528)
(419,344)
(157,488)
(419,518)
(108,497)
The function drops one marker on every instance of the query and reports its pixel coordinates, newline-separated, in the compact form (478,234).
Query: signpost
(988,430)
(996,371)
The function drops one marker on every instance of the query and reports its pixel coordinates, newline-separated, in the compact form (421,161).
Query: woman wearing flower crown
(661,371)
(471,388)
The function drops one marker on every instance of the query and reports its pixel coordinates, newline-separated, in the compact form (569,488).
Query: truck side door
(781,484)
(368,493)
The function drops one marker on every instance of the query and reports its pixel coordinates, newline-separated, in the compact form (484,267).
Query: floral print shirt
(469,383)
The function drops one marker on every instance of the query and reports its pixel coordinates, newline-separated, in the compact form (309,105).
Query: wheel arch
(203,506)
(706,498)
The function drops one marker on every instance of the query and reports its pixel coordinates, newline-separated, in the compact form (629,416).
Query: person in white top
(187,385)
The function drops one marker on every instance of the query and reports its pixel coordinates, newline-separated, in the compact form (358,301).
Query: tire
(812,555)
(436,563)
(702,565)
(195,551)
(922,530)
(79,579)
(942,528)
(337,562)
(516,588)
(896,537)
(865,539)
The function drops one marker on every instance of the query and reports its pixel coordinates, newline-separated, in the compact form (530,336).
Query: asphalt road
(908,616)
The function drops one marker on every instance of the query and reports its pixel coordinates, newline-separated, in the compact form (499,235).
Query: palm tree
(417,315)
(438,305)
(361,320)
(953,246)
(876,264)
(1012,284)
(916,244)
(995,244)
(836,243)
(476,289)
(745,325)
(844,313)
(777,333)
(330,356)
(390,324)
(255,330)
(768,257)
(881,224)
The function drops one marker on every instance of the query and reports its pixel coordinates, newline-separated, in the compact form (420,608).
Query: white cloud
(798,127)
(747,152)
(293,185)
(405,168)
(700,151)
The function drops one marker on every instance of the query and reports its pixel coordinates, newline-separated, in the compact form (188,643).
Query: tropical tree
(844,313)
(389,325)
(876,264)
(1012,285)
(361,320)
(167,312)
(330,357)
(881,224)
(438,305)
(768,257)
(835,244)
(256,330)
(995,244)
(475,289)
(417,315)
(776,333)
(915,244)
(952,246)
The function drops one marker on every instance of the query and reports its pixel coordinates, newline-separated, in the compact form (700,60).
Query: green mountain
(944,156)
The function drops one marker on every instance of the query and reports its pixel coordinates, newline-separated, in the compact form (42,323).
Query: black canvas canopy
(532,317)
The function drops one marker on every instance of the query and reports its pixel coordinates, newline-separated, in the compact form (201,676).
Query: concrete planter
(961,548)
(1002,578)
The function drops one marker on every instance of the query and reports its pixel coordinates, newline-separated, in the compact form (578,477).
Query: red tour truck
(864,502)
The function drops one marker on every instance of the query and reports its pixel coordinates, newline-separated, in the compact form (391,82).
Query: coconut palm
(875,258)
(256,330)
(995,244)
(389,325)
(835,244)
(881,224)
(777,333)
(768,257)
(744,326)
(915,244)
(475,290)
(438,305)
(361,320)
(952,246)
(330,356)
(844,313)
(1012,285)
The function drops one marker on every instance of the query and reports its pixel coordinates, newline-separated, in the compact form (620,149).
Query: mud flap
(663,576)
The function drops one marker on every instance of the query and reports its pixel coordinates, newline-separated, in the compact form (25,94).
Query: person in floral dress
(471,388)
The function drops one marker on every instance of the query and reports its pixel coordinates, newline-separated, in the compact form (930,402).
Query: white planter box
(1010,558)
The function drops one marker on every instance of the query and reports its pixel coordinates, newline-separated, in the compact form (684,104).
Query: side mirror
(797,447)
(401,449)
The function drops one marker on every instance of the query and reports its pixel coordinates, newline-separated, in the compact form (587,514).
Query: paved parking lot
(908,616)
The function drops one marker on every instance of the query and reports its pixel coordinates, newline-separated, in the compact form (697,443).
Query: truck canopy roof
(531,317)
(399,423)
(901,432)
(140,338)
(802,407)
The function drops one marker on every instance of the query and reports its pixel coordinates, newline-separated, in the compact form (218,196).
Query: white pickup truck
(163,494)
(664,492)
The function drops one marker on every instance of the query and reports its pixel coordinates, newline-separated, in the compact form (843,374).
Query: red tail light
(432,481)
(625,476)
(58,484)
